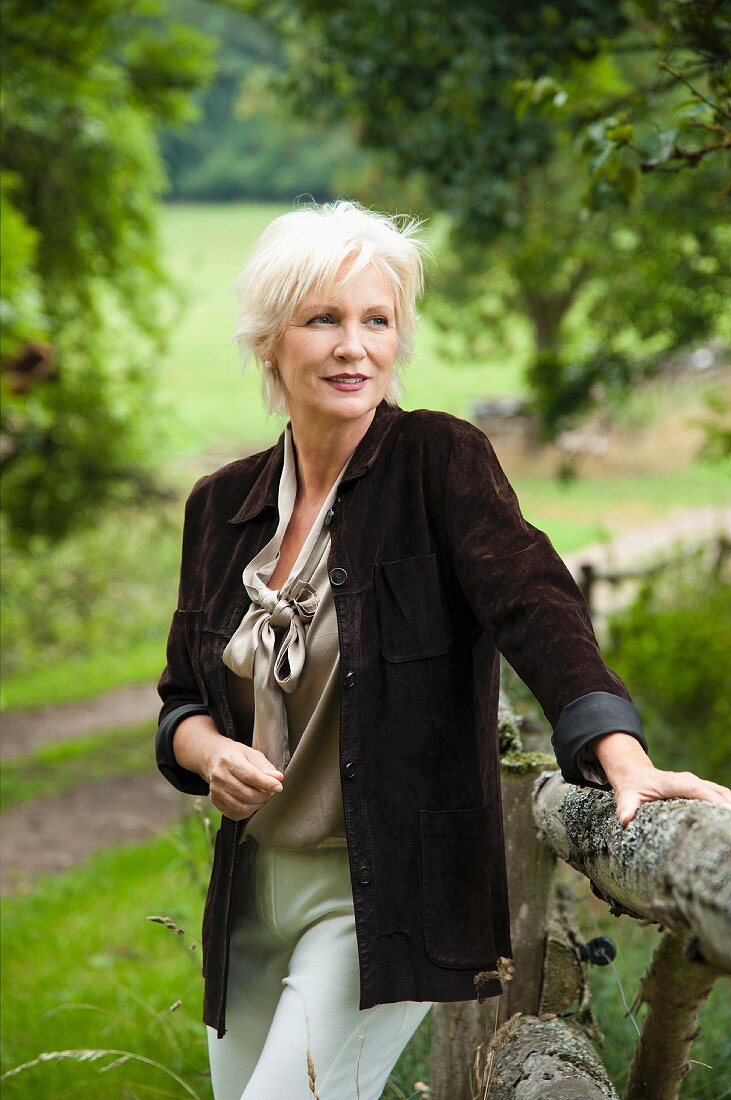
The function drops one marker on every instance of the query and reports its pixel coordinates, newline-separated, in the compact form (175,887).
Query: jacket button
(349,769)
(329,516)
(349,678)
(338,575)
(364,874)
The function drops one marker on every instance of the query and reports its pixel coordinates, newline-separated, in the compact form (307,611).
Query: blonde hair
(300,253)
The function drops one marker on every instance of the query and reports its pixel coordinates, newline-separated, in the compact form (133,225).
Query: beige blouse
(283,677)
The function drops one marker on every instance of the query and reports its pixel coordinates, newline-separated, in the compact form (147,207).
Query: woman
(332,681)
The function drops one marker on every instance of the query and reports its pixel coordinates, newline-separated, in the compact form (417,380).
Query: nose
(349,347)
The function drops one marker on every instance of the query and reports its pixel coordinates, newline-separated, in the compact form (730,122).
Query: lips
(349,382)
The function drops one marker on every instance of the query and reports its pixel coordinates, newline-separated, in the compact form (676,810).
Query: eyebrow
(320,307)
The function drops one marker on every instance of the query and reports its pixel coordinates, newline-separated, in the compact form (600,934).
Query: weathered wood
(531,870)
(675,989)
(671,865)
(543,1058)
(566,987)
(459,1029)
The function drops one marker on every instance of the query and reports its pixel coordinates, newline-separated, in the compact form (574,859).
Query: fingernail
(277,787)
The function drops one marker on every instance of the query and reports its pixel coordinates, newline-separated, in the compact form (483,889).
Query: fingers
(668,785)
(242,780)
(627,805)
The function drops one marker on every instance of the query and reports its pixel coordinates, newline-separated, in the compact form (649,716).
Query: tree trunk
(669,866)
(675,991)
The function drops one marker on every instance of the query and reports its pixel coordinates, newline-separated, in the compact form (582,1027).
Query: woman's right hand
(240,777)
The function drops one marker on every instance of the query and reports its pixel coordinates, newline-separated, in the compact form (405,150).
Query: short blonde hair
(300,253)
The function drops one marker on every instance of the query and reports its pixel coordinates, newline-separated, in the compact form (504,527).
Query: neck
(321,451)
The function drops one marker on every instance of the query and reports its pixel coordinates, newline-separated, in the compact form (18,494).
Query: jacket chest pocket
(413,619)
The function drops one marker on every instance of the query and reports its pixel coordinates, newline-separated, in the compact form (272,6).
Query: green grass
(55,768)
(635,945)
(84,968)
(70,681)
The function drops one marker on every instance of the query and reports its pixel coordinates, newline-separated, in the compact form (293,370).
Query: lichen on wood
(670,865)
(523,763)
(537,1057)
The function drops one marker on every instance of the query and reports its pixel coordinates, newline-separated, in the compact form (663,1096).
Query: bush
(671,648)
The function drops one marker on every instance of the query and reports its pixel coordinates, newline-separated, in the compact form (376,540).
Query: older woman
(332,681)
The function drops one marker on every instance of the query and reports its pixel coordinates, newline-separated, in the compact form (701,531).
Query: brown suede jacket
(434,571)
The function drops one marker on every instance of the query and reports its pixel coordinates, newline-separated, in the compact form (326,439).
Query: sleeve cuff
(583,719)
(181,778)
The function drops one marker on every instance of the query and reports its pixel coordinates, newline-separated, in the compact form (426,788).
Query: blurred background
(572,162)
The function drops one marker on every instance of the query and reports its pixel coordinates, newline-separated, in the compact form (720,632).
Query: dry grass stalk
(167,922)
(311,1073)
(121,1057)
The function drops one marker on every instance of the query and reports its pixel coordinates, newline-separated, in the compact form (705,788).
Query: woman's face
(349,332)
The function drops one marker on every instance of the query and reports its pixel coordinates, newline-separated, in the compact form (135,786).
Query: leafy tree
(607,287)
(244,145)
(83,96)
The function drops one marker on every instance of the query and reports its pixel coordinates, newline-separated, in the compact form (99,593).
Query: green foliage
(435,89)
(21,316)
(245,144)
(671,646)
(102,590)
(82,100)
(491,109)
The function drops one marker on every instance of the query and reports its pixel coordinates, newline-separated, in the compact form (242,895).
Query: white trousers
(293,988)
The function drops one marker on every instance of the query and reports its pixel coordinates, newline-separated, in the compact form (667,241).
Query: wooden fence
(591,575)
(670,866)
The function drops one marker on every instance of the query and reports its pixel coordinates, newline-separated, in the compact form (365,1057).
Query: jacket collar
(265,490)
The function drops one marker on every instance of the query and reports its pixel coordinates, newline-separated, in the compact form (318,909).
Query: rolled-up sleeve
(522,593)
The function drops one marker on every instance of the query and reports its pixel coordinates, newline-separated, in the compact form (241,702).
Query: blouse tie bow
(269,647)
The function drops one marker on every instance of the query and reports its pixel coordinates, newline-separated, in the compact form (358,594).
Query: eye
(320,317)
(384,321)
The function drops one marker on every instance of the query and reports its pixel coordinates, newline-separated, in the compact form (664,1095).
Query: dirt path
(25,730)
(52,834)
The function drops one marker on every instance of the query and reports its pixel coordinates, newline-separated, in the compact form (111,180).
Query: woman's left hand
(647,783)
(635,779)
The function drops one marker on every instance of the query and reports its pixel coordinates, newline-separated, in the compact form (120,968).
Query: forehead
(369,287)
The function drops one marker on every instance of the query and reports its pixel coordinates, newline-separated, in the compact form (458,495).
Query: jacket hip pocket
(456,876)
(413,619)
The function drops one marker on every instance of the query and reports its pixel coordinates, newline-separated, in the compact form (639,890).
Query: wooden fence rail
(670,866)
